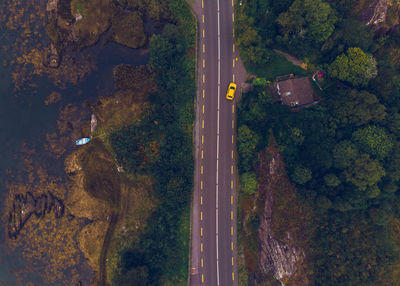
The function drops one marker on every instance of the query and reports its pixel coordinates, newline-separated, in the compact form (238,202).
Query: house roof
(295,92)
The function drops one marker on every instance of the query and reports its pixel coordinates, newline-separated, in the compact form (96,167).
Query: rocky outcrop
(277,257)
(26,205)
(375,13)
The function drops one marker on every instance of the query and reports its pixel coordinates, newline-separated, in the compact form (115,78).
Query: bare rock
(375,13)
(279,258)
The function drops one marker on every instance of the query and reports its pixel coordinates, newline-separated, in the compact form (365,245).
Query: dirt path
(290,58)
(103,254)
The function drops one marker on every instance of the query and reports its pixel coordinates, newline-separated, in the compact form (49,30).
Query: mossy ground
(137,204)
(100,173)
(96,19)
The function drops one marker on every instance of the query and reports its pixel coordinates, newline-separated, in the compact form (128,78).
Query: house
(295,92)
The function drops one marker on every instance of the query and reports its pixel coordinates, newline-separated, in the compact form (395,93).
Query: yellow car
(231,91)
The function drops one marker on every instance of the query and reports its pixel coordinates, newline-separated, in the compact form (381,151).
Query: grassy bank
(159,147)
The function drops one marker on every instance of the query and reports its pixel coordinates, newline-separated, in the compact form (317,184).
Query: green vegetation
(133,78)
(96,19)
(355,67)
(312,19)
(342,155)
(128,29)
(249,183)
(160,145)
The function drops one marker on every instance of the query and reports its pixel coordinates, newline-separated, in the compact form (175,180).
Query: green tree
(315,18)
(344,154)
(394,123)
(355,67)
(364,172)
(380,216)
(373,192)
(247,142)
(167,50)
(249,41)
(331,180)
(390,187)
(296,135)
(301,175)
(324,203)
(249,183)
(136,276)
(393,164)
(373,140)
(355,33)
(357,107)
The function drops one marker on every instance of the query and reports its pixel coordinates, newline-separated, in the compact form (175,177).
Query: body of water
(26,118)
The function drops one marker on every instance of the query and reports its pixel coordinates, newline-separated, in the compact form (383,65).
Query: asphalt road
(213,254)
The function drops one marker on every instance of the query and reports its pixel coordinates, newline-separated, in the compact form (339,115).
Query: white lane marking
(219,86)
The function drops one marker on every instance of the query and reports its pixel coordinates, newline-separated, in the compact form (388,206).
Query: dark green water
(25,118)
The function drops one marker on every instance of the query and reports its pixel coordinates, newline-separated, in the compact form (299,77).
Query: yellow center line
(202,154)
(231,230)
(201,246)
(232,123)
(233,276)
(201,218)
(202,3)
(201,232)
(204,63)
(204,94)
(233,77)
(232,245)
(232,154)
(232,184)
(202,123)
(233,31)
(231,215)
(201,200)
(232,139)
(202,139)
(233,17)
(203,18)
(204,48)
(204,78)
(231,200)
(232,262)
(232,3)
(202,263)
(233,63)
(232,170)
(203,108)
(203,33)
(202,278)
(233,108)
(233,47)
(201,169)
(201,184)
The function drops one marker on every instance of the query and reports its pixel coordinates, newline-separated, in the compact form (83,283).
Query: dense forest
(343,154)
(160,145)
